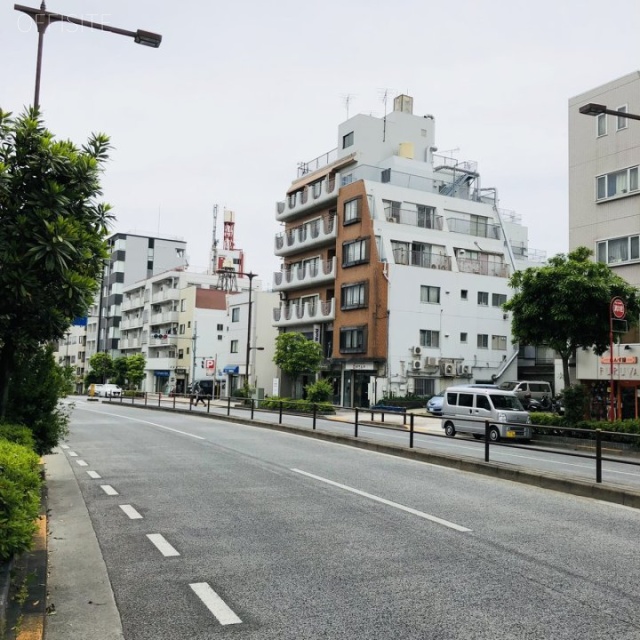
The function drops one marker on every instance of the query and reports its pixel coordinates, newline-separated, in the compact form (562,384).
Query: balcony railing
(305,236)
(414,218)
(423,259)
(474,228)
(308,197)
(317,163)
(304,313)
(131,323)
(484,268)
(305,275)
(165,316)
(166,294)
(132,303)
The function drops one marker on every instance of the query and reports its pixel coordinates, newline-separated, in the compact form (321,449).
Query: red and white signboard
(618,309)
(210,366)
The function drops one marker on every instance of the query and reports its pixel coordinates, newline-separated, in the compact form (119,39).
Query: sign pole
(617,310)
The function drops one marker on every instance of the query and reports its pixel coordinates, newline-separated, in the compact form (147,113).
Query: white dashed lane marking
(162,545)
(131,512)
(215,603)
(108,489)
(94,474)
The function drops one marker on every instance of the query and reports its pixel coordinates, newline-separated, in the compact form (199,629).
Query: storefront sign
(359,366)
(158,373)
(619,373)
(619,360)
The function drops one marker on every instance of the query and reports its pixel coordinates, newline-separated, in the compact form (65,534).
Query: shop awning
(233,369)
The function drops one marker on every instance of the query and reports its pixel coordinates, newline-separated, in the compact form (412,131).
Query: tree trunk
(565,370)
(7,353)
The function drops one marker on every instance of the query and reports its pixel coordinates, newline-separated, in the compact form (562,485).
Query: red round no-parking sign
(618,309)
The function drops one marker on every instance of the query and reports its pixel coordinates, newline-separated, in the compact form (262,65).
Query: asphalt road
(209,528)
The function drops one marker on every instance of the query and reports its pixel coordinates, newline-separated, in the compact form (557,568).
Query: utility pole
(194,340)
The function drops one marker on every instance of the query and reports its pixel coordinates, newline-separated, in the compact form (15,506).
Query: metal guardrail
(174,401)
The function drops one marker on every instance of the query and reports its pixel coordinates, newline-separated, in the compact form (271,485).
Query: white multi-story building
(604,215)
(397,261)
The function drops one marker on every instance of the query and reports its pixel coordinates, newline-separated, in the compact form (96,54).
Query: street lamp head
(592,109)
(148,39)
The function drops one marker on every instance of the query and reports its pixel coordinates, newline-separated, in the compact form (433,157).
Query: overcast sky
(239,92)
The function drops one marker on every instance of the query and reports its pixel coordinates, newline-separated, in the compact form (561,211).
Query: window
(181,329)
(352,211)
(392,210)
(219,337)
(499,343)
(621,121)
(483,298)
(617,183)
(463,337)
(235,314)
(183,305)
(347,140)
(423,386)
(189,324)
(180,353)
(429,338)
(429,294)
(464,294)
(220,327)
(234,346)
(482,402)
(483,341)
(601,124)
(498,299)
(426,216)
(354,296)
(618,250)
(353,339)
(355,252)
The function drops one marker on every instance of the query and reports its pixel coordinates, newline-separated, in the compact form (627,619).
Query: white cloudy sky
(240,92)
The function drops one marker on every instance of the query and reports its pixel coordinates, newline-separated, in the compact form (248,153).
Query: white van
(530,389)
(466,409)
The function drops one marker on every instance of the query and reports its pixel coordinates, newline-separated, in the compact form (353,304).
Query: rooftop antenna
(385,98)
(346,99)
(214,241)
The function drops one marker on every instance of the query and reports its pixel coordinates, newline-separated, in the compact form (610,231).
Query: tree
(102,365)
(566,304)
(52,235)
(119,371)
(296,355)
(136,369)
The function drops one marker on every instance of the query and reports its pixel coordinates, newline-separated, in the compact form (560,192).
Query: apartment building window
(181,329)
(617,183)
(235,314)
(499,343)
(498,299)
(483,298)
(234,346)
(347,140)
(352,211)
(618,250)
(429,338)
(219,337)
(601,124)
(180,353)
(183,305)
(463,337)
(354,296)
(429,294)
(356,252)
(426,217)
(392,210)
(220,327)
(483,341)
(621,121)
(353,339)
(423,386)
(464,294)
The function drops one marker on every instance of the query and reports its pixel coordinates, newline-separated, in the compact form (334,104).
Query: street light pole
(251,276)
(594,109)
(44,18)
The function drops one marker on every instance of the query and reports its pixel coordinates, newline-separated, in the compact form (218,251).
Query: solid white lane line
(153,424)
(73,454)
(389,503)
(64,446)
(162,545)
(215,603)
(82,463)
(94,474)
(131,512)
(108,489)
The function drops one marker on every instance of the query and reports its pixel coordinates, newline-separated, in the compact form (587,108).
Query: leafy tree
(566,304)
(136,369)
(295,355)
(102,365)
(52,235)
(119,371)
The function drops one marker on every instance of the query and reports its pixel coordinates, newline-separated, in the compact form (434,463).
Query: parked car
(529,389)
(434,405)
(108,391)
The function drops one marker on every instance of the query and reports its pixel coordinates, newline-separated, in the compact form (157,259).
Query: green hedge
(622,427)
(20,483)
(296,406)
(17,434)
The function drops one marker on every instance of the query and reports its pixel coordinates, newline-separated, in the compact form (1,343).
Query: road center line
(131,512)
(82,463)
(162,545)
(215,603)
(108,489)
(94,474)
(389,503)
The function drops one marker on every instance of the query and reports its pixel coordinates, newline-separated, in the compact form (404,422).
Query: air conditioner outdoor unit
(449,370)
(466,369)
(417,365)
(417,351)
(459,369)
(391,220)
(432,362)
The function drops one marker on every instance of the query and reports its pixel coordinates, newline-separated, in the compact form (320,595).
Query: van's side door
(483,411)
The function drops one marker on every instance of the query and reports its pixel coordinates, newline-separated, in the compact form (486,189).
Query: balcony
(163,317)
(129,343)
(306,313)
(423,259)
(474,228)
(163,363)
(132,303)
(165,340)
(483,267)
(308,275)
(424,219)
(131,323)
(165,294)
(306,236)
(307,198)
